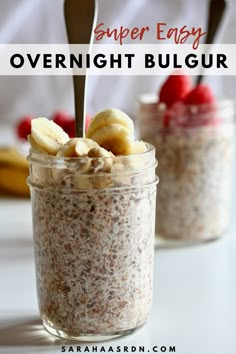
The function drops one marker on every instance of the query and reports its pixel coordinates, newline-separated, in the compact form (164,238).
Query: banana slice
(98,152)
(66,176)
(102,160)
(48,135)
(35,146)
(138,147)
(87,143)
(114,138)
(133,162)
(68,149)
(108,117)
(77,147)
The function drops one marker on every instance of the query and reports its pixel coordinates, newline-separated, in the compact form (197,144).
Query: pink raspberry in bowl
(175,89)
(61,118)
(198,108)
(201,94)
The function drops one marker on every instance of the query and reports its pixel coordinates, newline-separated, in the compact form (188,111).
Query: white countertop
(194,304)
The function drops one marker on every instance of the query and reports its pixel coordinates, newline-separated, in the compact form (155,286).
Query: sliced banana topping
(102,159)
(138,147)
(68,149)
(107,117)
(35,146)
(77,147)
(114,130)
(103,153)
(48,135)
(98,152)
(85,144)
(114,138)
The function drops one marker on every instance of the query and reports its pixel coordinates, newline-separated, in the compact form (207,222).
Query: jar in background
(194,147)
(93,242)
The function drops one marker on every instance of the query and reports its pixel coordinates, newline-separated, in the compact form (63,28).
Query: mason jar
(195,148)
(93,242)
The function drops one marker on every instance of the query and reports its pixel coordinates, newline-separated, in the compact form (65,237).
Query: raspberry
(174,89)
(67,123)
(69,127)
(60,118)
(199,95)
(24,127)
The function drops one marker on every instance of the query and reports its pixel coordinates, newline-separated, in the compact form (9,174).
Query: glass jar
(93,242)
(194,146)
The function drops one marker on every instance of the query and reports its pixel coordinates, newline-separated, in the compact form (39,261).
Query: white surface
(194,305)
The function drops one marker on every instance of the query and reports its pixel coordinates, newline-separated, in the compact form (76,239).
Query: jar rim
(50,160)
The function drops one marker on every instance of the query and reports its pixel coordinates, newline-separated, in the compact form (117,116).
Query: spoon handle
(216,11)
(80,17)
(80,90)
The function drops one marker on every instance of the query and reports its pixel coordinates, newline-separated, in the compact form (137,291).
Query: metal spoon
(80,17)
(216,12)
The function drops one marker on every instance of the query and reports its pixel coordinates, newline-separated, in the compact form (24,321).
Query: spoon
(216,11)
(80,18)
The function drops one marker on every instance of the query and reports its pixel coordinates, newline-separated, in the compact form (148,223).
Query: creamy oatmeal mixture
(94,258)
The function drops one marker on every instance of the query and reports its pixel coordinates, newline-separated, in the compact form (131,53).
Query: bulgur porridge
(93,221)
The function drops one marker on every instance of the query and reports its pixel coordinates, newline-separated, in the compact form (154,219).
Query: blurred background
(27,21)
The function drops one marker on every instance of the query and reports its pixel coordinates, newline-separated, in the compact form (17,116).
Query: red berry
(24,127)
(60,118)
(174,89)
(66,122)
(199,95)
(69,127)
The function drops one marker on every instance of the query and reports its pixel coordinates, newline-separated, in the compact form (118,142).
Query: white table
(194,307)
